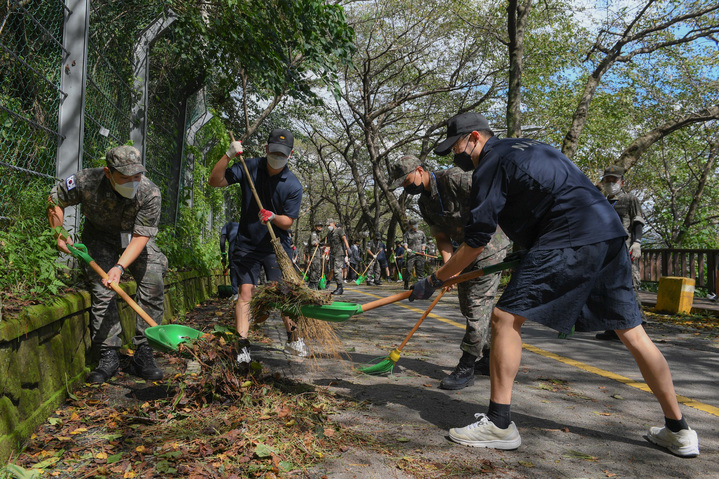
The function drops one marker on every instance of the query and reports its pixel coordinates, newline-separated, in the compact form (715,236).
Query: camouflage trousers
(416,263)
(375,272)
(315,272)
(148,271)
(337,262)
(476,302)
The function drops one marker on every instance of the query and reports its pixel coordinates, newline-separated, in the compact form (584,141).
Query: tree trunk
(516,23)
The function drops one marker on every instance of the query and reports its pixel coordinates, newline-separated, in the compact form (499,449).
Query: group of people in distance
(575,273)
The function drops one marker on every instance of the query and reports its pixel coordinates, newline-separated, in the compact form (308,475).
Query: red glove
(266,215)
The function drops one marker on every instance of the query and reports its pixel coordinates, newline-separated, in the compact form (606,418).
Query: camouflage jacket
(629,210)
(334,238)
(445,208)
(414,240)
(107,214)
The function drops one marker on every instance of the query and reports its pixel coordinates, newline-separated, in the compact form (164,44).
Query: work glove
(347,260)
(515,256)
(635,251)
(234,150)
(266,216)
(424,288)
(223,259)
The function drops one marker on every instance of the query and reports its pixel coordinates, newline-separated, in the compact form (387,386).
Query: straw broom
(316,332)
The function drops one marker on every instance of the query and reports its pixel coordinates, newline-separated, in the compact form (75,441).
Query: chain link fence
(32,54)
(31,51)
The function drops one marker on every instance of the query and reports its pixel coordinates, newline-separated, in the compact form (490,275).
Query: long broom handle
(124,295)
(383,301)
(370,263)
(254,191)
(424,316)
(313,257)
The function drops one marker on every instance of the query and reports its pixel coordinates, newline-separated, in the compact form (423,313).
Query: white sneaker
(243,357)
(234,297)
(484,433)
(297,348)
(684,443)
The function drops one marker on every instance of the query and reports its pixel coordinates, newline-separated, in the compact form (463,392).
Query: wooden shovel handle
(384,301)
(124,295)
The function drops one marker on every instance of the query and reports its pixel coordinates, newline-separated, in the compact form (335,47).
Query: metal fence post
(141,72)
(71,113)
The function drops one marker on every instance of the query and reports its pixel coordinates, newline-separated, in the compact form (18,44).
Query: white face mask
(611,189)
(128,190)
(277,161)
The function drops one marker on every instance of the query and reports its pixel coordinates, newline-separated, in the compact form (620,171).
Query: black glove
(515,255)
(424,289)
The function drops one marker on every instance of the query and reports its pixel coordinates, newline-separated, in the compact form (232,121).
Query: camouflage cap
(614,170)
(403,167)
(125,159)
(329,221)
(413,221)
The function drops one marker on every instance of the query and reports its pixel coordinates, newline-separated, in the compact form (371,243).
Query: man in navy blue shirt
(280,193)
(576,271)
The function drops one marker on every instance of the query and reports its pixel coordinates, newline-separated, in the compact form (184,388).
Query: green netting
(30,55)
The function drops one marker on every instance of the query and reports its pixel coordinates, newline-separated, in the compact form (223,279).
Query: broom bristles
(384,366)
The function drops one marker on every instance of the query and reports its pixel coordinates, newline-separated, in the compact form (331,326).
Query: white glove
(635,251)
(347,260)
(234,150)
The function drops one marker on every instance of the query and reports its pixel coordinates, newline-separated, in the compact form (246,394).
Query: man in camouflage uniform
(414,244)
(444,205)
(314,256)
(375,251)
(632,217)
(121,207)
(339,250)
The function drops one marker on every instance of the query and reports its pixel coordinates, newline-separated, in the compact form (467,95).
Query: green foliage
(28,258)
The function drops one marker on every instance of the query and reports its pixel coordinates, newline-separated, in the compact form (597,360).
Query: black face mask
(413,189)
(464,161)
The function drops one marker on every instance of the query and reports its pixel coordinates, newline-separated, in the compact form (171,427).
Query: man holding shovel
(444,205)
(576,273)
(280,194)
(121,207)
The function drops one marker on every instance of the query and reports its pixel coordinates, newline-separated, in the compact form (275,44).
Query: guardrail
(699,264)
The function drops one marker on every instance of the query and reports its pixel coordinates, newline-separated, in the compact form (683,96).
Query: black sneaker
(107,367)
(143,364)
(607,335)
(461,377)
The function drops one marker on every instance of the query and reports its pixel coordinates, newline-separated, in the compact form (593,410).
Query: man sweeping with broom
(280,194)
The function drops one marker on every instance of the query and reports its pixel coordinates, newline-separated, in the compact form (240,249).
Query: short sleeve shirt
(281,194)
(538,197)
(415,240)
(107,214)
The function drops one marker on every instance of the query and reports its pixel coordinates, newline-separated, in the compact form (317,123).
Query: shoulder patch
(70,182)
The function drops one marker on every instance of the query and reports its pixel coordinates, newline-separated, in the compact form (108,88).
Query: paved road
(580,404)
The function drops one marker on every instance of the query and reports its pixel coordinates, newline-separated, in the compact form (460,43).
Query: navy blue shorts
(248,265)
(588,287)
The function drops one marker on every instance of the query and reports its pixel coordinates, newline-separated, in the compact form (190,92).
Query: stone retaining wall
(43,351)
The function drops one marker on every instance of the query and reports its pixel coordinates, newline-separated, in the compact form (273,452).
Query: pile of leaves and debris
(209,418)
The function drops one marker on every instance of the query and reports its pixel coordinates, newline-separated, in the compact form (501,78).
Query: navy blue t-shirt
(538,197)
(281,194)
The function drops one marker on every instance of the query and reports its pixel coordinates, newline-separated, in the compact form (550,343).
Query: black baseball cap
(458,126)
(280,141)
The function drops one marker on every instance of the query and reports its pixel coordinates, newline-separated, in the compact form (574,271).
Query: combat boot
(463,374)
(406,284)
(106,368)
(340,289)
(143,364)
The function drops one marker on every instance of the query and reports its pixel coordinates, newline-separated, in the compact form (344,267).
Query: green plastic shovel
(164,338)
